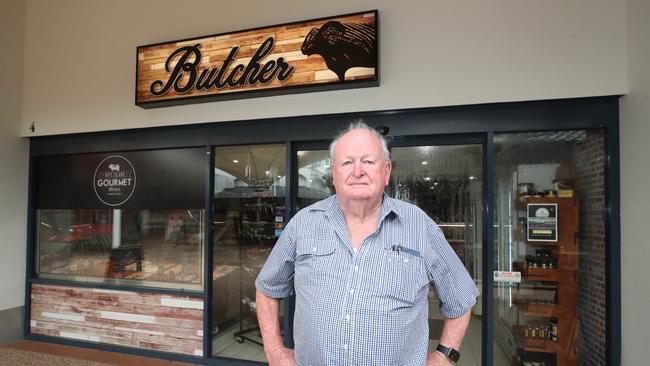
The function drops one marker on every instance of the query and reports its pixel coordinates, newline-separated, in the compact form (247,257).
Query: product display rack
(252,260)
(258,232)
(548,325)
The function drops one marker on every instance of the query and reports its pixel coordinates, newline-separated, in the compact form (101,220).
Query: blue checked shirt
(368,307)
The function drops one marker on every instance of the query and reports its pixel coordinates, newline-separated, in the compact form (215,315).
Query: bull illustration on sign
(343,46)
(114,167)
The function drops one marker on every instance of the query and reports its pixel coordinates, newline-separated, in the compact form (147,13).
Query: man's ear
(389,168)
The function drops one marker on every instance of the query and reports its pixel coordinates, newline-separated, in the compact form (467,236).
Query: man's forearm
(453,330)
(269,320)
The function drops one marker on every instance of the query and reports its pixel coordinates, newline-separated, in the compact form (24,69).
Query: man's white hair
(359,124)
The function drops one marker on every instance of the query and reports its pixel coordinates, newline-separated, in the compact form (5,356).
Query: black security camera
(383,130)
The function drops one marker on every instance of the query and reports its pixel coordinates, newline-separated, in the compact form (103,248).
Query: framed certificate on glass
(542,222)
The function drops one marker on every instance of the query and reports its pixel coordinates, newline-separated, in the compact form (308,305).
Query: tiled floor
(225,345)
(91,354)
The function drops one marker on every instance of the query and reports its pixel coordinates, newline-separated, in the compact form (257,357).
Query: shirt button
(345,347)
(352,291)
(347,317)
(356,268)
(314,249)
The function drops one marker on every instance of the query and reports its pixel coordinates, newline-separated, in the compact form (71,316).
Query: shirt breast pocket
(316,262)
(399,276)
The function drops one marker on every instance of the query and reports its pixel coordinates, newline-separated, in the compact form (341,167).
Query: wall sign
(321,54)
(168,179)
(114,180)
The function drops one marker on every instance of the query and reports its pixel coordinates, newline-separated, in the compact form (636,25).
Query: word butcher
(185,75)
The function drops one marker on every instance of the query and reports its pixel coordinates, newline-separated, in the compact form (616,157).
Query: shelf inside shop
(541,274)
(538,309)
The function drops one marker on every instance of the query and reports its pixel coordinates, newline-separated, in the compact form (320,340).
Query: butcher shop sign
(321,54)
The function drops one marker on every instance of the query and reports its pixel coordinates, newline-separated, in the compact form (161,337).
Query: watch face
(453,355)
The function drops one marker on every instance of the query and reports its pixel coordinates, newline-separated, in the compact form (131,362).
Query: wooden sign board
(321,54)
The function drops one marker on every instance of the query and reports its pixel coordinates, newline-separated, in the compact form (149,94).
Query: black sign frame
(283,90)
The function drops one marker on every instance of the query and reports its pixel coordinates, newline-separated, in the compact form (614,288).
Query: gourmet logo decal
(114,180)
(337,51)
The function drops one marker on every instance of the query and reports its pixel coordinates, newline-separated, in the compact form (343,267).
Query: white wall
(80,56)
(13,157)
(635,177)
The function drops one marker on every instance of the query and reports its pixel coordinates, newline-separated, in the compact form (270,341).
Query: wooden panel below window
(143,320)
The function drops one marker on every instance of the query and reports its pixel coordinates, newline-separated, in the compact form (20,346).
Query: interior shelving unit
(535,343)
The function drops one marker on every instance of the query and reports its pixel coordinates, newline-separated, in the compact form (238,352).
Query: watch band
(451,353)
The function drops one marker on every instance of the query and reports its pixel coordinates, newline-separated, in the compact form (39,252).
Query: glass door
(314,177)
(446,181)
(249,205)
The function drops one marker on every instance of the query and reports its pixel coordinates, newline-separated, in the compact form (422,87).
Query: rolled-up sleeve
(276,278)
(453,284)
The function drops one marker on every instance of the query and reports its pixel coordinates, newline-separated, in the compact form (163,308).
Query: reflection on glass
(314,177)
(248,218)
(161,248)
(562,287)
(447,183)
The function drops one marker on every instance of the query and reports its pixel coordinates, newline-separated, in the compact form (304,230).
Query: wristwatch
(451,353)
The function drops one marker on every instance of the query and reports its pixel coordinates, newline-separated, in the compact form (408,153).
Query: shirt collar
(331,206)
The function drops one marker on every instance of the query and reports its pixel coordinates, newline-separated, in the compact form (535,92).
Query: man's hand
(436,358)
(281,356)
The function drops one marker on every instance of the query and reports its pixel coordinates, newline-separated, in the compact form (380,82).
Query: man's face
(359,169)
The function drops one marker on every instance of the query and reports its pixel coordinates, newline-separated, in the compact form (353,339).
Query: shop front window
(131,218)
(549,280)
(139,247)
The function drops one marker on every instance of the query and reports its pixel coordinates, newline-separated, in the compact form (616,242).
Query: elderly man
(361,265)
